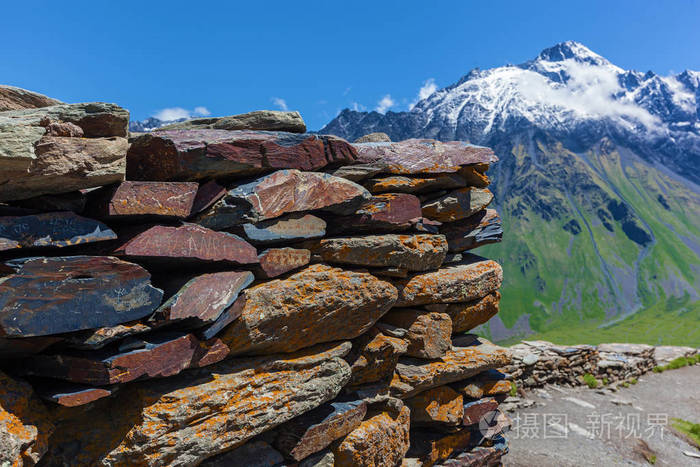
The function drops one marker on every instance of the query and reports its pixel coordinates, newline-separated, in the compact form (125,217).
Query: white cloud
(281,103)
(347,91)
(385,104)
(172,113)
(588,93)
(424,92)
(176,113)
(358,107)
(201,110)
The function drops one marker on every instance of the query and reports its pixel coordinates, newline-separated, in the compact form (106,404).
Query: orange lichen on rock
(414,376)
(441,406)
(458,204)
(428,334)
(374,357)
(379,441)
(183,420)
(420,252)
(25,424)
(464,282)
(318,304)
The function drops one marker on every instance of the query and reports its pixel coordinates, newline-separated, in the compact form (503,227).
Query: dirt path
(597,431)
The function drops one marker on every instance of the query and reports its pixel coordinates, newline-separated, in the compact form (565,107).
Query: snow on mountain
(568,91)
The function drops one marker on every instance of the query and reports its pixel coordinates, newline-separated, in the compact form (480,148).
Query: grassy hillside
(598,246)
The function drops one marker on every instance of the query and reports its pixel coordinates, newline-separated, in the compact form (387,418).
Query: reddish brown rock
(285,229)
(12,98)
(204,298)
(63,294)
(430,447)
(411,252)
(457,204)
(467,316)
(374,357)
(25,424)
(428,334)
(277,261)
(284,192)
(381,440)
(207,194)
(480,229)
(382,213)
(159,356)
(318,304)
(71,395)
(182,420)
(184,155)
(440,407)
(414,376)
(474,411)
(95,119)
(54,229)
(423,156)
(133,199)
(189,242)
(474,278)
(315,430)
(399,184)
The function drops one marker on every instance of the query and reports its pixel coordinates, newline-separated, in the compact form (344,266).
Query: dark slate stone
(255,453)
(70,293)
(285,229)
(382,213)
(480,229)
(54,229)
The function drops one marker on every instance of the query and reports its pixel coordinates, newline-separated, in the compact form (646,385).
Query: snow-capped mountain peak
(568,91)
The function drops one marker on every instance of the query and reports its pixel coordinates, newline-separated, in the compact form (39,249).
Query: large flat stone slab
(157,356)
(479,229)
(95,119)
(423,156)
(145,199)
(277,261)
(318,304)
(55,229)
(457,204)
(189,242)
(186,155)
(420,252)
(476,277)
(268,120)
(63,294)
(204,298)
(283,192)
(414,376)
(182,420)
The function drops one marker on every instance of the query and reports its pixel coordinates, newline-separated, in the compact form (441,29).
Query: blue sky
(316,57)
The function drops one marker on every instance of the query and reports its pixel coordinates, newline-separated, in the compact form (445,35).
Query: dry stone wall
(216,294)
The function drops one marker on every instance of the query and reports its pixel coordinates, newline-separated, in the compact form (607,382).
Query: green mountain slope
(598,245)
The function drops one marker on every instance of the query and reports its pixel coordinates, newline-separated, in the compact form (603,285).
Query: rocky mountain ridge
(597,186)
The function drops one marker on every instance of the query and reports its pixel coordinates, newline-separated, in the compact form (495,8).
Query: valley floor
(593,427)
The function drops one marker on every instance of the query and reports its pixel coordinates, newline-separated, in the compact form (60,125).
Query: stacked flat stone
(217,296)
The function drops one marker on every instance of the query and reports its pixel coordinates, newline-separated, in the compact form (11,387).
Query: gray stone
(271,120)
(12,98)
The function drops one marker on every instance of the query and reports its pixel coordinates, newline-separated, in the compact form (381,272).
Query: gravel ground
(599,431)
